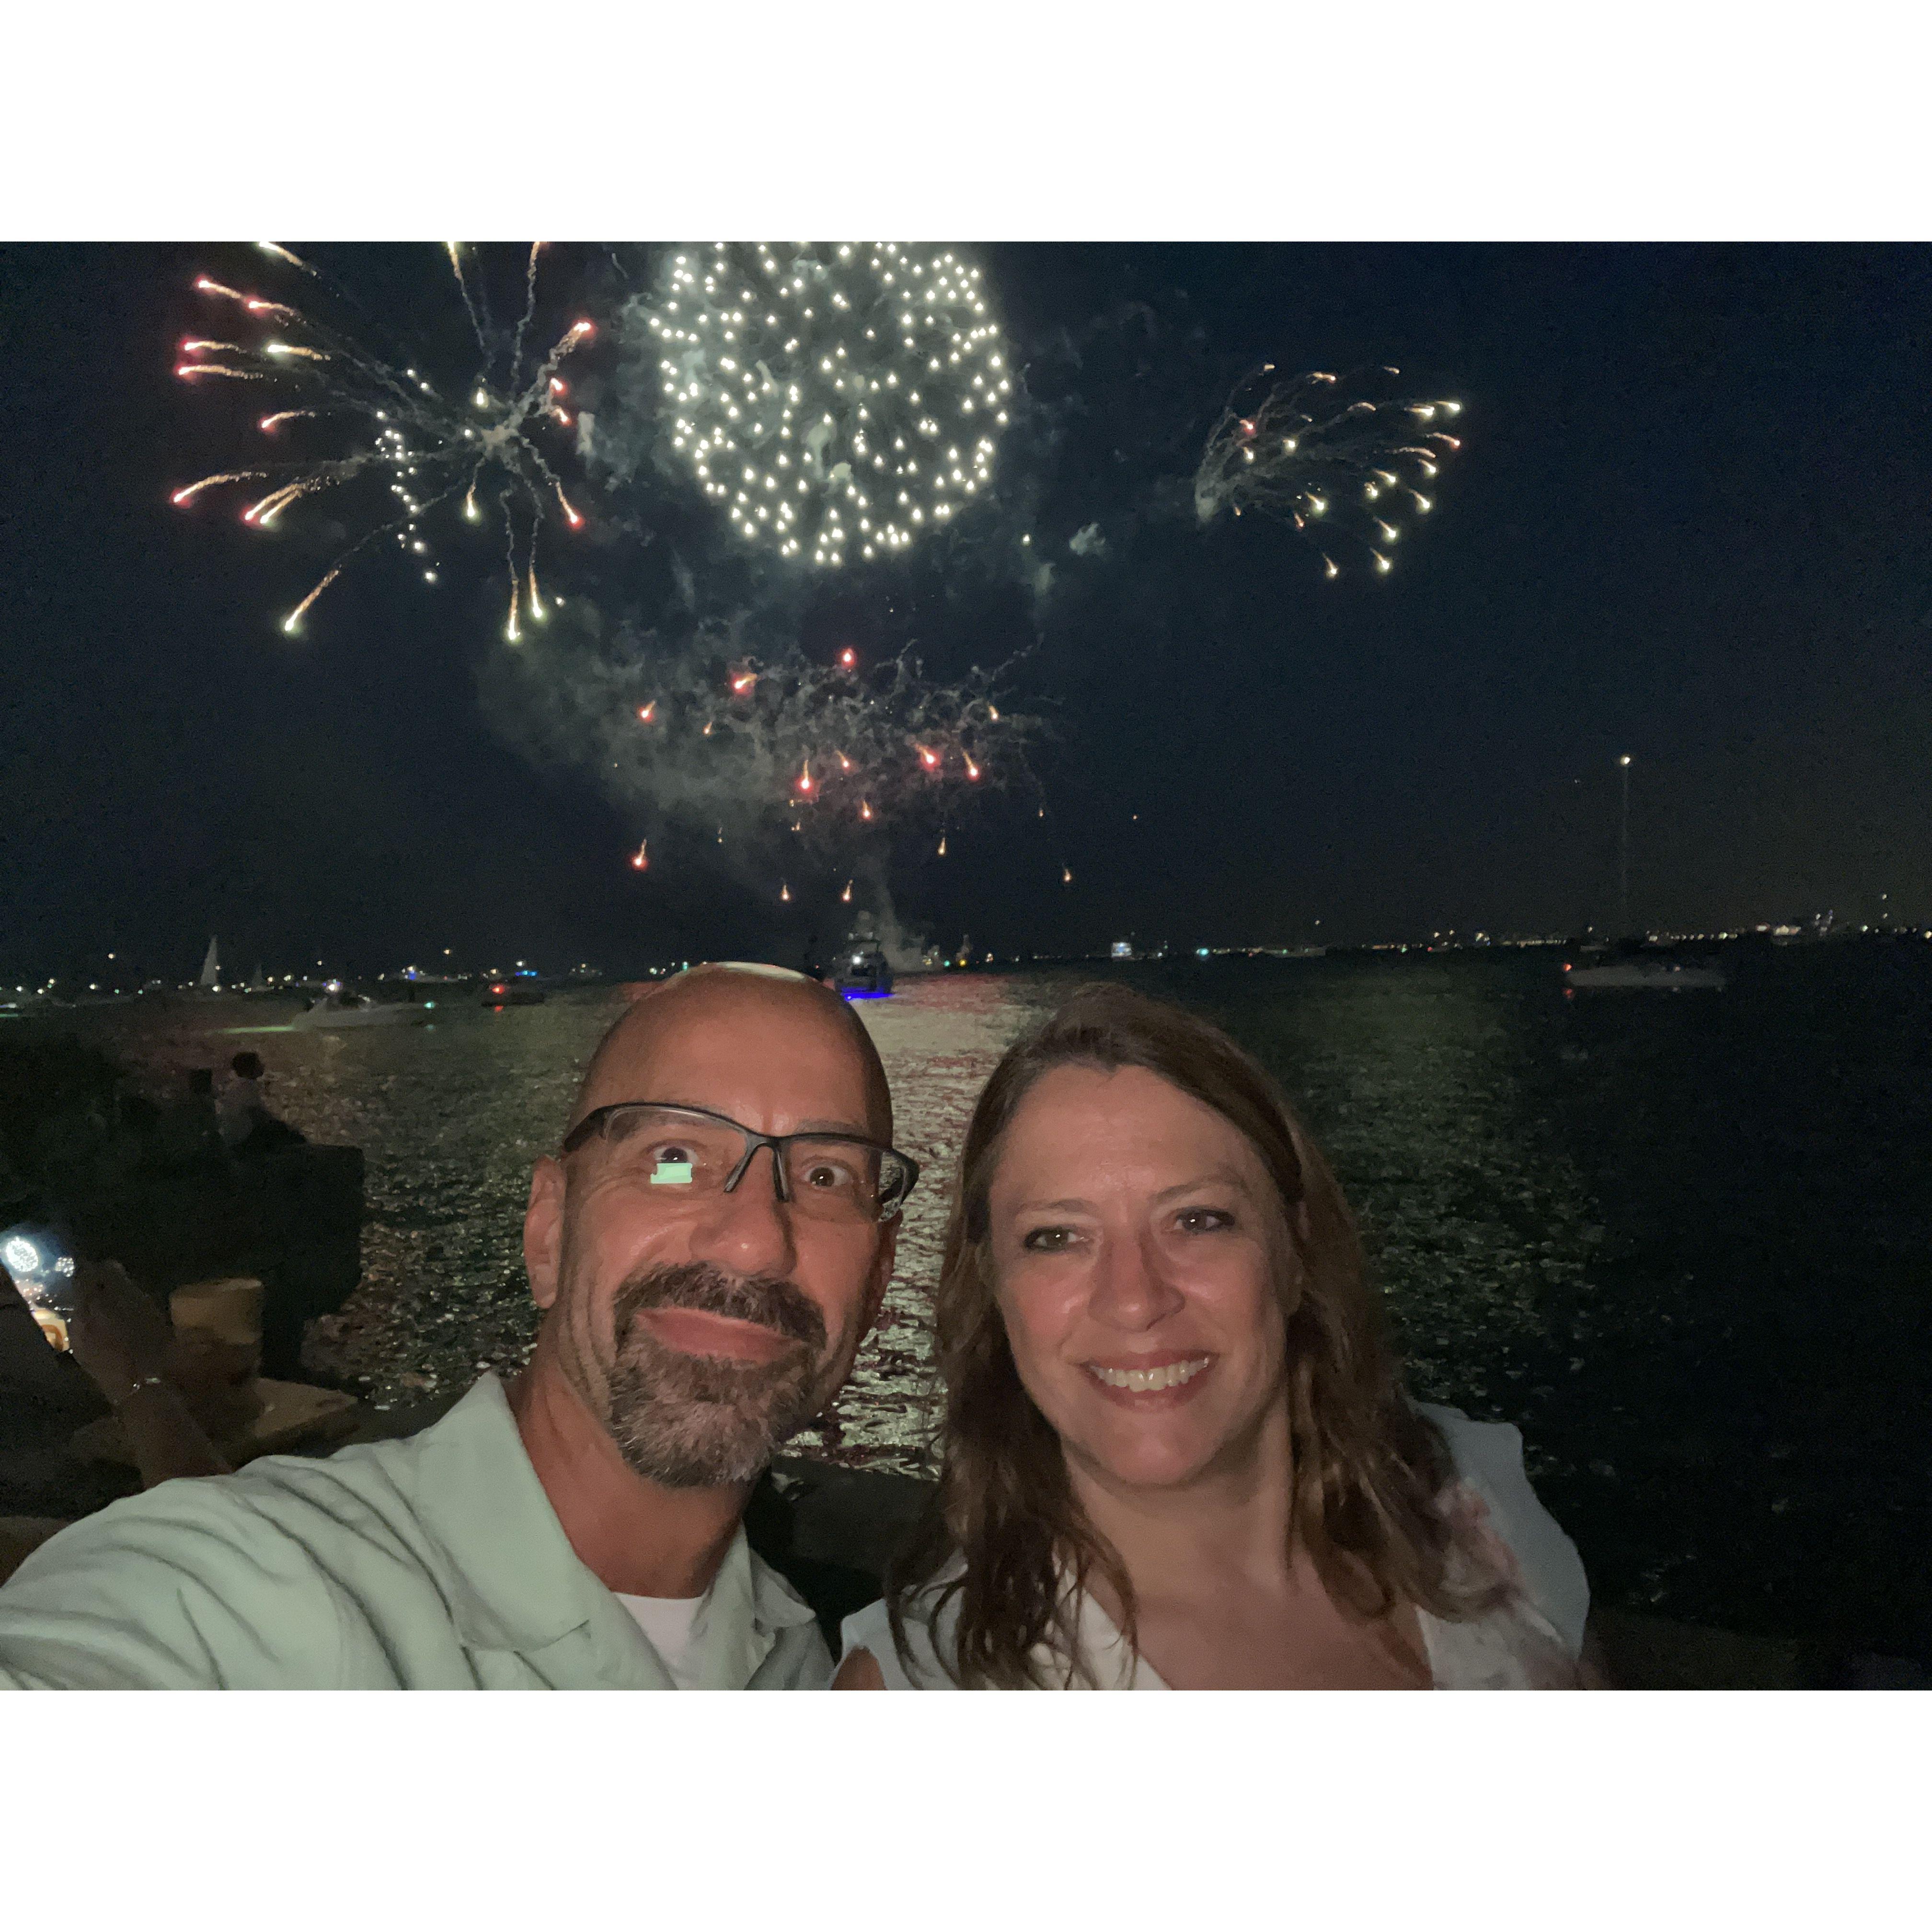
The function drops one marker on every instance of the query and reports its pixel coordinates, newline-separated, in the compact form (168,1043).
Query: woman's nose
(1130,1289)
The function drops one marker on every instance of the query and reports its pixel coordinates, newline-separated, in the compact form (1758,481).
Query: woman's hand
(118,1334)
(859,1672)
(126,1345)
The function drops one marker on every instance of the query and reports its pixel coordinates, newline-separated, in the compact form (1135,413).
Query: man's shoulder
(256,1576)
(364,1489)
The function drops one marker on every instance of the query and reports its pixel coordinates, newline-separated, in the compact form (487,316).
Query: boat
(864,973)
(209,990)
(1636,975)
(335,1010)
(512,990)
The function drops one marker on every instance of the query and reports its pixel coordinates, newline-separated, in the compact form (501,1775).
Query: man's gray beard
(701,1421)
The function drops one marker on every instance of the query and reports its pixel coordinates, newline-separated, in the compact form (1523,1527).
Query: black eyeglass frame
(593,1123)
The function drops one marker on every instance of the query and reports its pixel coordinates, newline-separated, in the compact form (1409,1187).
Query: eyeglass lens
(686,1153)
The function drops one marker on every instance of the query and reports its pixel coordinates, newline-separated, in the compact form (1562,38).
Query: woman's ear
(1294,1272)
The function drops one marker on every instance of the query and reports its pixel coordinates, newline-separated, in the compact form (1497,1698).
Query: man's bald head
(700,1325)
(719,1012)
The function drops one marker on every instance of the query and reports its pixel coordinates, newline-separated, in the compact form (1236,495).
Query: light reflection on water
(940,1038)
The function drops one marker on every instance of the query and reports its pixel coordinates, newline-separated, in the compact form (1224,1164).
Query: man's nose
(748,1228)
(1130,1289)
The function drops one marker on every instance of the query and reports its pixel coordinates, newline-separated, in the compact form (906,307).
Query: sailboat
(210,986)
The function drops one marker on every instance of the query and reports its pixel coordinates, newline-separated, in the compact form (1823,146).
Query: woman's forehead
(1078,1113)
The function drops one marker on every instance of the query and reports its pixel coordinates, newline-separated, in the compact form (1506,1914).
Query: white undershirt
(670,1625)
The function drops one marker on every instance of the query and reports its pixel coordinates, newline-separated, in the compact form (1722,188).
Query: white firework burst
(837,400)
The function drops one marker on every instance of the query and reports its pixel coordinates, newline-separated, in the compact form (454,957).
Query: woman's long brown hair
(1367,1467)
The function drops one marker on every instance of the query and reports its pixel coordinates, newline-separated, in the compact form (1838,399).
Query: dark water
(1682,1240)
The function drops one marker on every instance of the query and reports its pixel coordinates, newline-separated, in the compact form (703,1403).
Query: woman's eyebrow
(1226,1176)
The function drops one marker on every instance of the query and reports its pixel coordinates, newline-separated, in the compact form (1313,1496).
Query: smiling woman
(1177,1451)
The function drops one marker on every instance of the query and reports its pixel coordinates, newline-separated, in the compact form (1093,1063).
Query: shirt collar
(513,1582)
(749,1603)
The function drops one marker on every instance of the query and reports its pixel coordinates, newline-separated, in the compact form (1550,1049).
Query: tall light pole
(1623,853)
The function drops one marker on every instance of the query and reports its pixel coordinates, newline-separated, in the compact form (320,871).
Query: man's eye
(672,1154)
(828,1175)
(1047,1240)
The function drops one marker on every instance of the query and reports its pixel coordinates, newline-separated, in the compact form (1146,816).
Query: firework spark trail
(512,634)
(193,490)
(424,448)
(454,249)
(292,622)
(530,309)
(539,610)
(1332,464)
(188,371)
(282,254)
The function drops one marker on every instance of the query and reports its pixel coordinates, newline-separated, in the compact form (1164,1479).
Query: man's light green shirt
(435,1563)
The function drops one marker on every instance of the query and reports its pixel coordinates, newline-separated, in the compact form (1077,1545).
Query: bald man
(709,1246)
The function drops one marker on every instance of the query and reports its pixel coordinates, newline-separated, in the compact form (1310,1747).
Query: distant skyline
(1688,523)
(123,972)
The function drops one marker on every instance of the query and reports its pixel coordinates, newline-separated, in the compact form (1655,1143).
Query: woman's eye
(1047,1240)
(1203,1220)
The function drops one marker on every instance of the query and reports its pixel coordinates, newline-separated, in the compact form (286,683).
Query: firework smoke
(720,752)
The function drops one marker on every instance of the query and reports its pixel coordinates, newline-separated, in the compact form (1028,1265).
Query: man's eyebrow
(815,1127)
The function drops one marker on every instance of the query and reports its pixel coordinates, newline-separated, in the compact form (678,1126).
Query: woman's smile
(1163,1381)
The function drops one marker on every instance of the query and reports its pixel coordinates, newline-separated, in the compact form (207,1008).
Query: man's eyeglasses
(688,1151)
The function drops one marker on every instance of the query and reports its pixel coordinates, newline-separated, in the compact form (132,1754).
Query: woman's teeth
(1142,1380)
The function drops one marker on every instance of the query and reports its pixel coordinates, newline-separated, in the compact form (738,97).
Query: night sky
(1689,522)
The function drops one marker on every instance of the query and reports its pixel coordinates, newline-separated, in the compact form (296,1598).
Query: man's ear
(543,1230)
(882,1273)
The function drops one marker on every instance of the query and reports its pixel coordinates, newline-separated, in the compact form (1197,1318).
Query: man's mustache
(769,1300)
